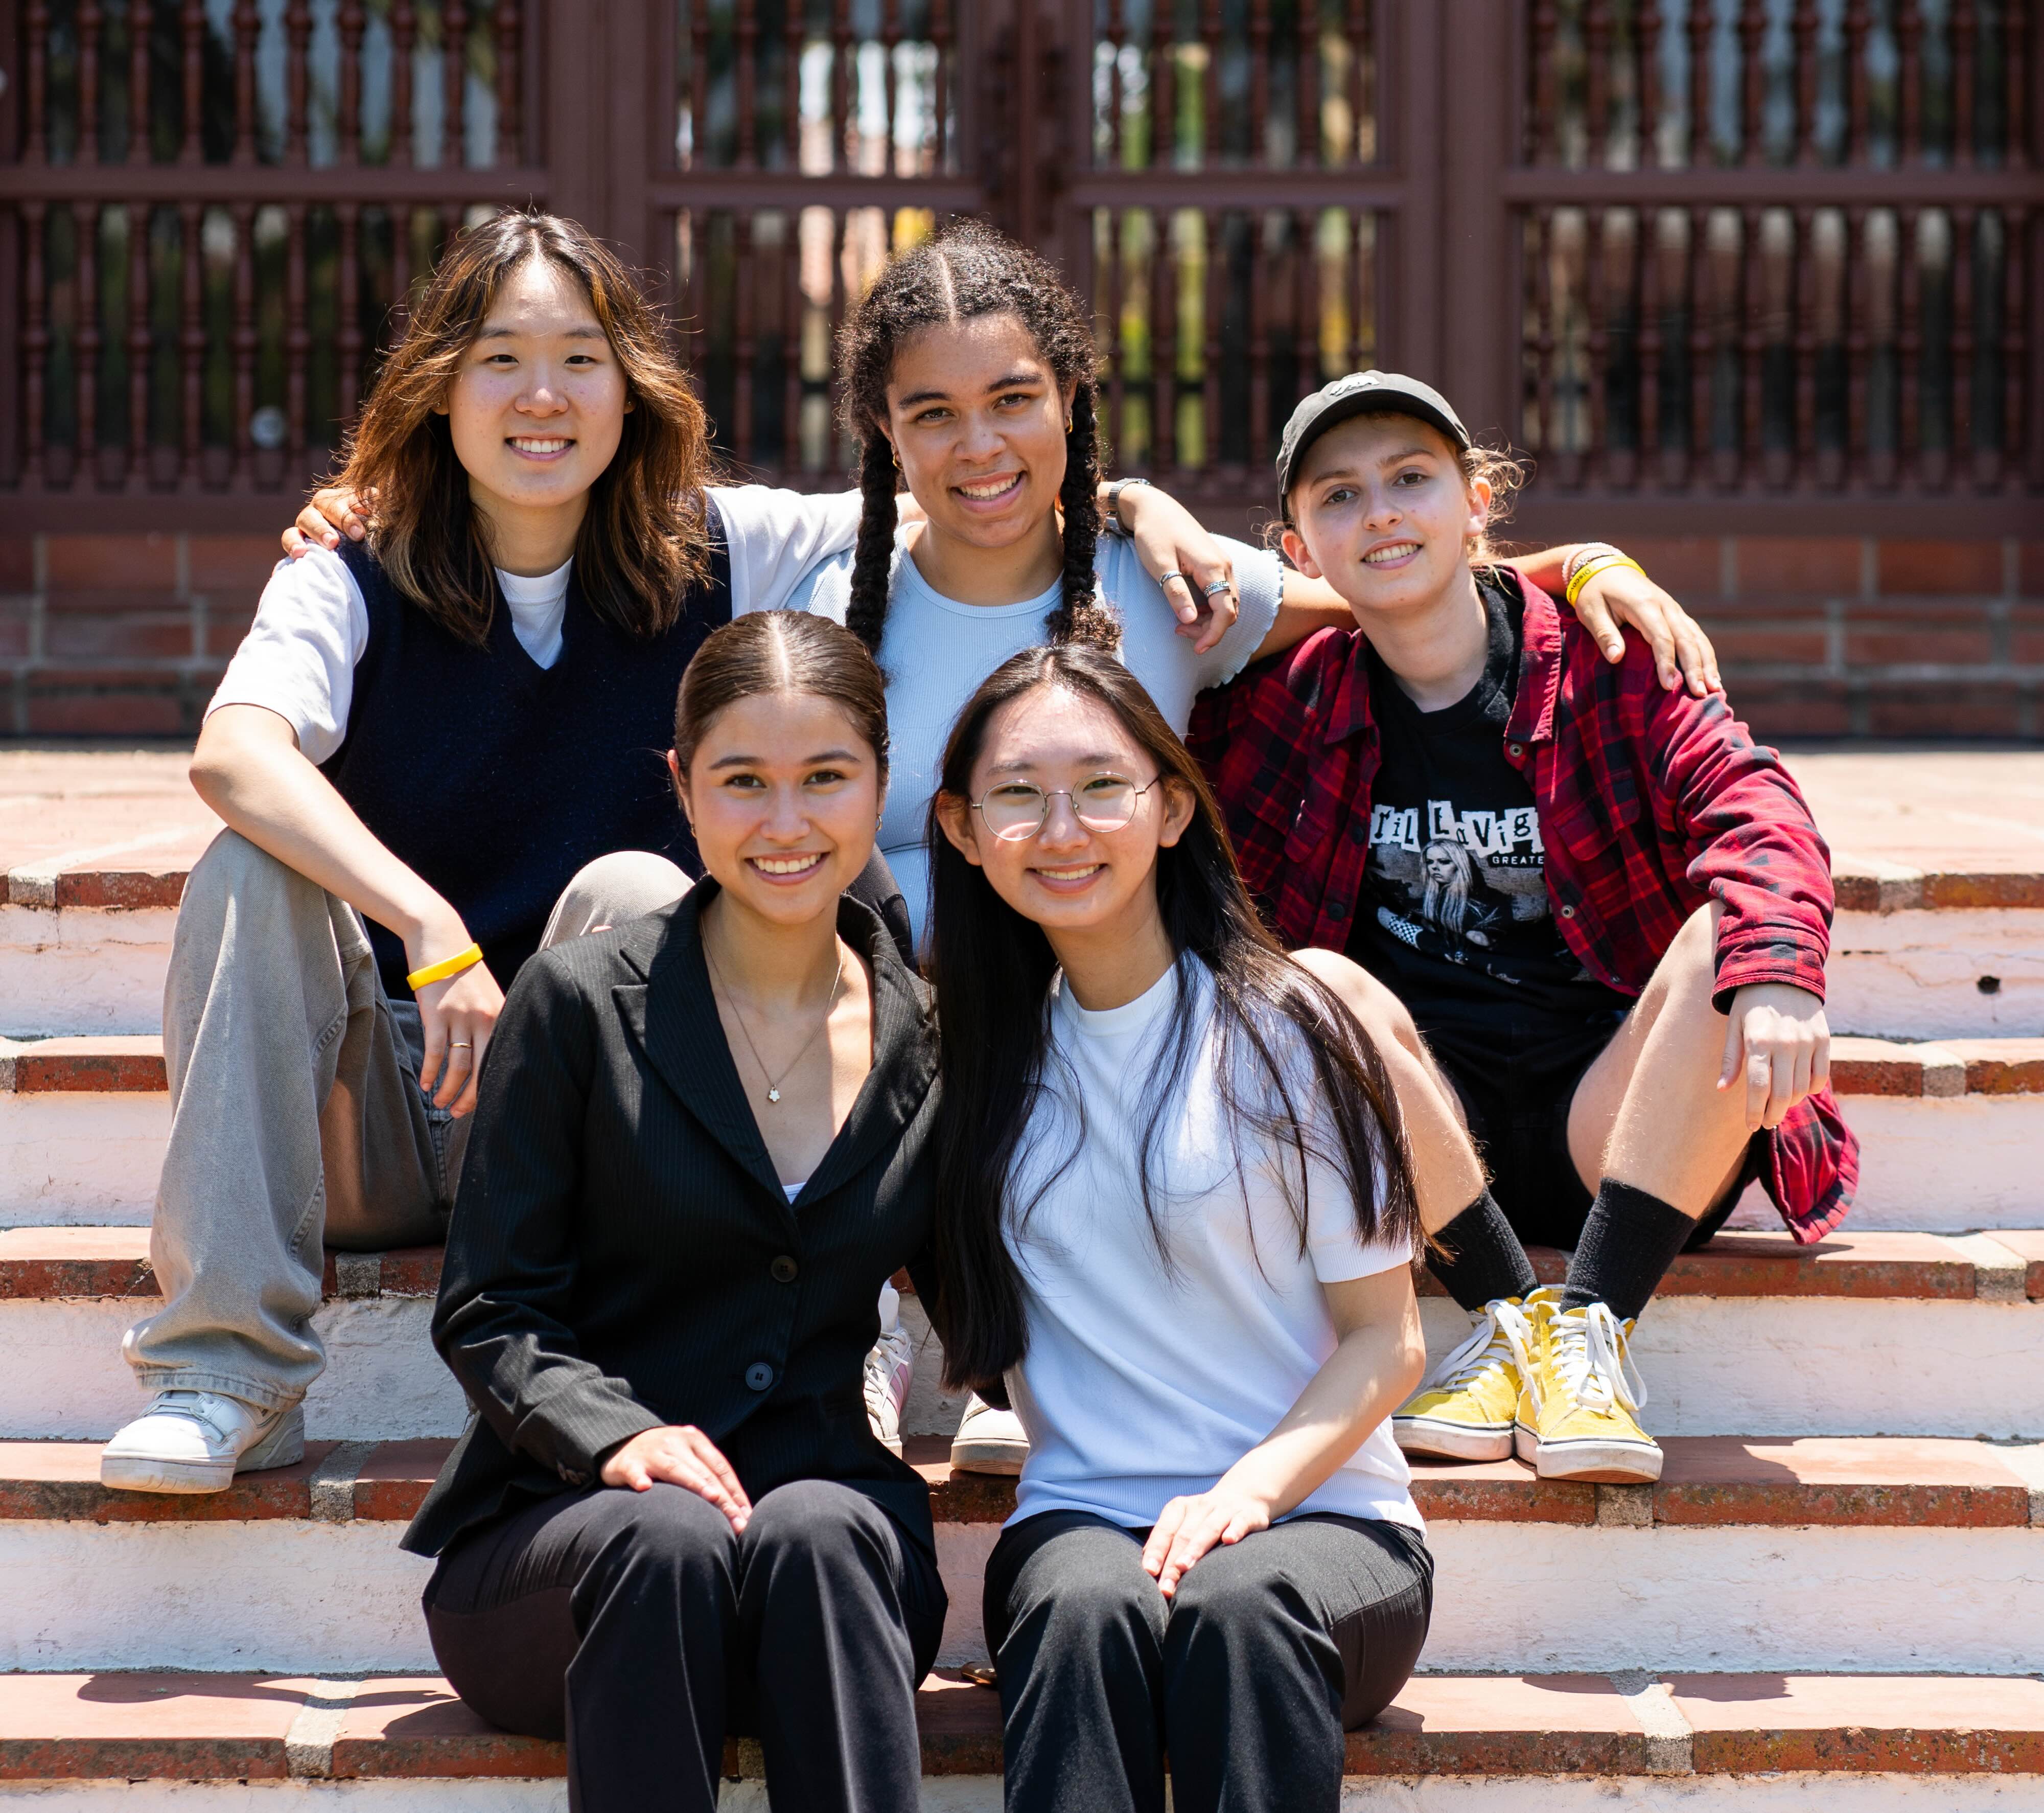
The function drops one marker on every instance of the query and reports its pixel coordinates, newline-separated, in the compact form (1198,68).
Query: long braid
(1080,617)
(873,561)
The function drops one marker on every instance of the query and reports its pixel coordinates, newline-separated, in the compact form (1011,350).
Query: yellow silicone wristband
(1590,570)
(446,967)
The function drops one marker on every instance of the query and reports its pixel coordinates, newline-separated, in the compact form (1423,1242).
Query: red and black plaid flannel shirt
(1651,804)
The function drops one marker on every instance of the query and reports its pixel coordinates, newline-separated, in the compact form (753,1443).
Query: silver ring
(1220,586)
(1173,574)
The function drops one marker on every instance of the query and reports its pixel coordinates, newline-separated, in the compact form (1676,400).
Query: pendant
(773,1095)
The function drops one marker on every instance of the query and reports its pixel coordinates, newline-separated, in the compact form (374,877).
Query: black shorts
(1517,1101)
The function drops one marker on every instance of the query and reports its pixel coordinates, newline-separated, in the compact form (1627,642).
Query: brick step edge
(106,1064)
(1709,1481)
(2007,1266)
(193,1728)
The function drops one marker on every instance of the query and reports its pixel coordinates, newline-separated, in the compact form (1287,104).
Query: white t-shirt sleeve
(1338,1253)
(298,657)
(776,537)
(1259,578)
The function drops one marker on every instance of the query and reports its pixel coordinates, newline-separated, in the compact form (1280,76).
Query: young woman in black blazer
(701,1146)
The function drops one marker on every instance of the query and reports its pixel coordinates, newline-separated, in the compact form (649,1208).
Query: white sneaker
(989,1441)
(889,1366)
(197,1441)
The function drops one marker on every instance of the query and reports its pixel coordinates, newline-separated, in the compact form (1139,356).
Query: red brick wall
(125,635)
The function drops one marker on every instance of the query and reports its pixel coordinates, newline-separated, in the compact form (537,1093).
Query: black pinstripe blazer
(623,1255)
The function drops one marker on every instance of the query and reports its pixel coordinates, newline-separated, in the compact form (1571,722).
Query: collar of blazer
(672,1016)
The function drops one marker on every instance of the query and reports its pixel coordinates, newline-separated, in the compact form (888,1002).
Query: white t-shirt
(1141,1384)
(310,630)
(935,651)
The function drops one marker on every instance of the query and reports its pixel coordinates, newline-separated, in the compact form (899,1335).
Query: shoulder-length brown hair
(644,541)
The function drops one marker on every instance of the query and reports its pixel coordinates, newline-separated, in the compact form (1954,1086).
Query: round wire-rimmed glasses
(1015,810)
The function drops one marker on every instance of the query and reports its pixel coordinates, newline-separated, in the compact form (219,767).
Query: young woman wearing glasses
(1179,1185)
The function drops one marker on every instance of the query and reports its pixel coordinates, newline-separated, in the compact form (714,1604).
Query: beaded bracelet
(1590,569)
(1583,555)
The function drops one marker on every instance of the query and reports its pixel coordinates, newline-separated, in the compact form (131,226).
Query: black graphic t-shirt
(1454,918)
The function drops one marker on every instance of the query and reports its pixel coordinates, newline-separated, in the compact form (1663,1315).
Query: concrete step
(1862,1333)
(1948,1129)
(1494,1743)
(1906,1555)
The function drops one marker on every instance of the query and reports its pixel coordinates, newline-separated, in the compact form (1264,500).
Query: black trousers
(638,1627)
(1269,1650)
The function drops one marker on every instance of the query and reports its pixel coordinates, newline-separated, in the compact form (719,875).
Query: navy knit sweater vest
(495,779)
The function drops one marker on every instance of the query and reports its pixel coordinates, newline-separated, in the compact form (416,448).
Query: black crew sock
(1630,1240)
(1481,1257)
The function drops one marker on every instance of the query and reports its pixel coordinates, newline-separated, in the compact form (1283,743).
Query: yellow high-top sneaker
(1575,1418)
(1464,1411)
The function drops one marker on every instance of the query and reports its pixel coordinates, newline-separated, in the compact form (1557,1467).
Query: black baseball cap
(1360,393)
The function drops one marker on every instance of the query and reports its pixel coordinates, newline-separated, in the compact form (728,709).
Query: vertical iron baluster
(791,334)
(404,34)
(1210,83)
(698,84)
(840,290)
(1962,235)
(35,338)
(1596,45)
(1702,347)
(1805,30)
(1752,81)
(298,34)
(191,339)
(1699,24)
(1859,21)
(2016,223)
(347,342)
(1858,275)
(791,100)
(1305,307)
(87,339)
(1215,273)
(246,23)
(1908,341)
(1543,330)
(743,346)
(1163,85)
(1647,46)
(139,24)
(1362,97)
(1258,226)
(1355,275)
(1803,290)
(192,22)
(1259,80)
(1116,101)
(941,42)
(400,272)
(353,20)
(890,42)
(1962,23)
(1548,83)
(840,83)
(35,149)
(746,34)
(244,337)
(507,23)
(1307,151)
(2015,41)
(1753,342)
(139,346)
(1163,340)
(1596,461)
(1647,306)
(1116,363)
(297,339)
(454,84)
(89,21)
(1909,40)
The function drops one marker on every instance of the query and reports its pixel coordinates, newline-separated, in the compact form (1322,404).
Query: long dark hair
(644,540)
(992,970)
(965,271)
(781,650)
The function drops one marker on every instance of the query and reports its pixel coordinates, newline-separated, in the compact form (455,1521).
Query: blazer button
(758,1376)
(783,1269)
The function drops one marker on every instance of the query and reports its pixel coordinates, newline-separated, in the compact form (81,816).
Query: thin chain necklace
(774,1082)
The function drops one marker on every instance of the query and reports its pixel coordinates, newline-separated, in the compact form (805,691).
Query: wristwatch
(1113,522)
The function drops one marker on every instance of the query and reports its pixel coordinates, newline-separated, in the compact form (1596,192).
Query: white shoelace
(1593,1361)
(1502,1336)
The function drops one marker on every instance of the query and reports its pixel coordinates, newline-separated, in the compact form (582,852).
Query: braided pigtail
(1080,616)
(873,560)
